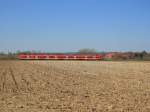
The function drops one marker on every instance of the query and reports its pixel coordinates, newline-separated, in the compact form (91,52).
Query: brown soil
(74,86)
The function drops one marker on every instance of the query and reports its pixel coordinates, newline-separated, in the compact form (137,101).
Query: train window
(41,56)
(61,56)
(23,56)
(31,56)
(89,56)
(71,56)
(51,56)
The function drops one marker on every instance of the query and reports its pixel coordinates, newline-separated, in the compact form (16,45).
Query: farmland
(74,86)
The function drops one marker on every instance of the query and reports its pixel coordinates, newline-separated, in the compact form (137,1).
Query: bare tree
(87,51)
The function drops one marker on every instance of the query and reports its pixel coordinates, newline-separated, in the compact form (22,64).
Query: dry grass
(74,86)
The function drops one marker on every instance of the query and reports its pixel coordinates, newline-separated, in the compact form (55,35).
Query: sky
(69,25)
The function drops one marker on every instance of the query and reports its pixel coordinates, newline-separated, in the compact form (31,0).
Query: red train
(60,56)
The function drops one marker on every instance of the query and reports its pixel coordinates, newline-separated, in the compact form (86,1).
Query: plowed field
(74,86)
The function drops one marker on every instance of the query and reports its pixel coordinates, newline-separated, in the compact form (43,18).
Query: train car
(60,56)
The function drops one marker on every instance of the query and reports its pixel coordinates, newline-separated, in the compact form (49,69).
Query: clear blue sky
(68,25)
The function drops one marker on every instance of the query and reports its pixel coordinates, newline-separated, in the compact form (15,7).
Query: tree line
(115,55)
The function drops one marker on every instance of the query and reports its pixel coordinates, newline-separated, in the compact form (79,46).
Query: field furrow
(74,86)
